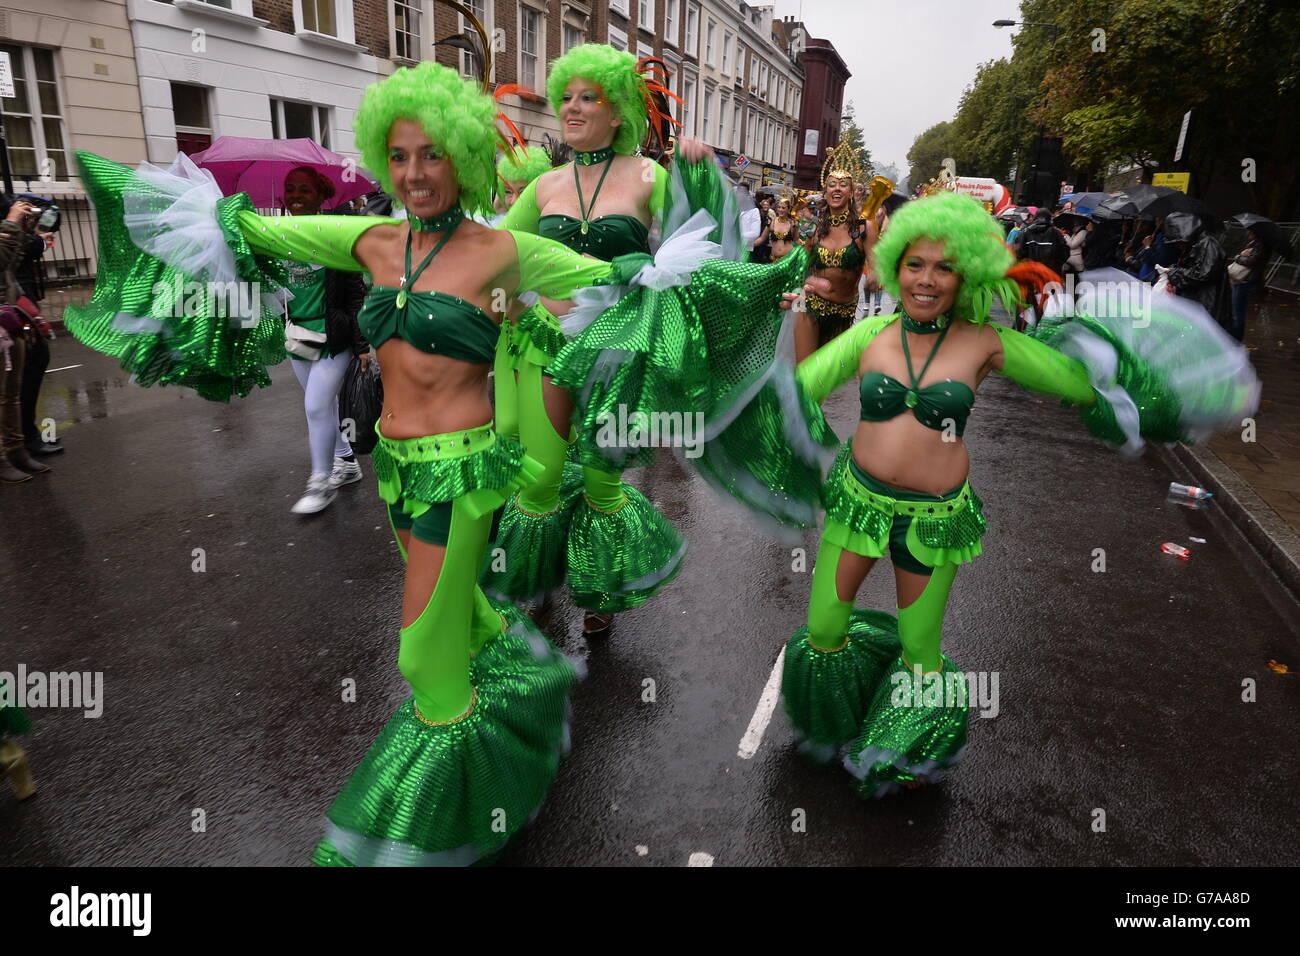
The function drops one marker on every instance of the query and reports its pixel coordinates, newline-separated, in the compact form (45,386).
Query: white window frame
(726,52)
(724,108)
(749,132)
(737,117)
(617,37)
(645,15)
(618,6)
(239,11)
(565,45)
(710,32)
(706,111)
(762,80)
(692,38)
(689,90)
(277,112)
(489,24)
(343,17)
(417,41)
(36,116)
(539,69)
(670,22)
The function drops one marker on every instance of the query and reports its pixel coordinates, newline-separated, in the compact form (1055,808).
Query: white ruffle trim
(1099,358)
(175,219)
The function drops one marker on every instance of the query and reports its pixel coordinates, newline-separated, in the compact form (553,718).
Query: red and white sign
(984,190)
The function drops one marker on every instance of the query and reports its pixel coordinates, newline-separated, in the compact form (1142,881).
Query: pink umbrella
(258,167)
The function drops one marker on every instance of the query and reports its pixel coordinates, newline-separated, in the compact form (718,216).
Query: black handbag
(361,401)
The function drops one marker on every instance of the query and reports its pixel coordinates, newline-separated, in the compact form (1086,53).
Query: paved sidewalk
(1270,465)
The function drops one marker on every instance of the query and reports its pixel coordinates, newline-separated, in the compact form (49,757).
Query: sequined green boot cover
(621,550)
(826,692)
(915,729)
(453,795)
(147,314)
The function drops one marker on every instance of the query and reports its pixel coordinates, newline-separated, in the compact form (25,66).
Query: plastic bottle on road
(1177,550)
(1188,491)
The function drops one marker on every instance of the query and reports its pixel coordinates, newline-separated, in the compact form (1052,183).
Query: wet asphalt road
(1119,691)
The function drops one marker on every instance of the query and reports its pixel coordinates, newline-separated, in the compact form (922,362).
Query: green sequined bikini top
(605,238)
(884,398)
(850,258)
(433,322)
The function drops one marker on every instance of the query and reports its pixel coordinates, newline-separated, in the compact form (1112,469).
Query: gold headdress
(843,160)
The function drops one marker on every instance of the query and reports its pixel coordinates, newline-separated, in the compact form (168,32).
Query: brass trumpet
(878,190)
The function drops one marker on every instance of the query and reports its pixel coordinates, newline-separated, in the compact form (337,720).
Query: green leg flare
(621,550)
(915,728)
(465,764)
(834,664)
(535,525)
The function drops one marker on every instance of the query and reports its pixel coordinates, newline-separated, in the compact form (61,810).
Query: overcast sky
(910,59)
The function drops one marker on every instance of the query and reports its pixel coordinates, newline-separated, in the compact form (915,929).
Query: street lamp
(1038,146)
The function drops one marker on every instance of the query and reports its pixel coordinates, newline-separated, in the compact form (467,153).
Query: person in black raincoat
(1199,273)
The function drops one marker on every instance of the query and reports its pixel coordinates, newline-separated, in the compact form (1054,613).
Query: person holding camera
(16,462)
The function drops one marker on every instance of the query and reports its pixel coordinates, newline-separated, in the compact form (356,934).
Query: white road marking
(700,859)
(61,368)
(766,705)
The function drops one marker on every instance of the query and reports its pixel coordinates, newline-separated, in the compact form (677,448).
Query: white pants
(321,381)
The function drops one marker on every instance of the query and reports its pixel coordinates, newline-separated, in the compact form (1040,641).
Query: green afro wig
(971,239)
(525,165)
(614,71)
(454,114)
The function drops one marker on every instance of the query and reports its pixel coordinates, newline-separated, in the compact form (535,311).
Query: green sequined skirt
(454,794)
(937,530)
(476,465)
(826,692)
(914,730)
(534,337)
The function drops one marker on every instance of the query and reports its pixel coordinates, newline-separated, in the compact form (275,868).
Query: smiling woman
(465,762)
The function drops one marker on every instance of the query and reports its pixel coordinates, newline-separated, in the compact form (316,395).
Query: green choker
(436,223)
(594,158)
(924,328)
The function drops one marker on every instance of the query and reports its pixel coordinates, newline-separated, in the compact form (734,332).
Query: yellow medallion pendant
(584,227)
(401,299)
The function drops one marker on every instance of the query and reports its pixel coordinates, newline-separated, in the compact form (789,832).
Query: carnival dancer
(853,679)
(465,762)
(321,337)
(515,170)
(785,229)
(839,247)
(591,528)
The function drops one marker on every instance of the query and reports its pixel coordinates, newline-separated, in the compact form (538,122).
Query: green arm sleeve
(322,240)
(554,270)
(524,214)
(837,362)
(659,193)
(1034,365)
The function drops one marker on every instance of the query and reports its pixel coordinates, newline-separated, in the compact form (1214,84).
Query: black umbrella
(1249,220)
(1182,226)
(1175,202)
(1069,220)
(1136,202)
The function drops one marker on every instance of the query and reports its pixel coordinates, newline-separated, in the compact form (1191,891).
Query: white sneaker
(345,472)
(317,497)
